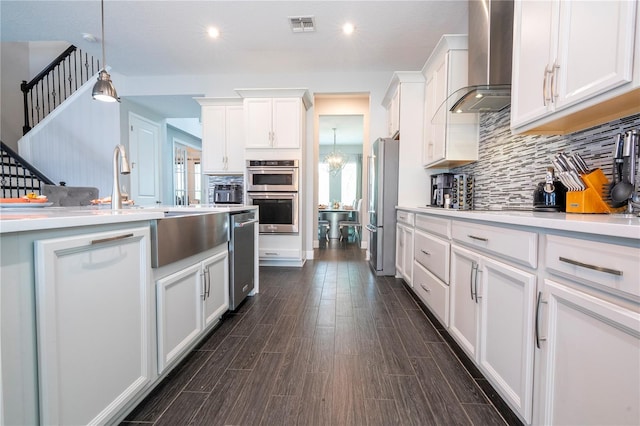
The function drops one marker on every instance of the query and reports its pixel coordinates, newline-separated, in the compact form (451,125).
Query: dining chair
(323,229)
(353,223)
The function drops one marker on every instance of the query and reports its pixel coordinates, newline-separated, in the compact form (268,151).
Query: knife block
(591,199)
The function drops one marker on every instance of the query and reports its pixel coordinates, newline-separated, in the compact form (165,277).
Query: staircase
(59,80)
(18,177)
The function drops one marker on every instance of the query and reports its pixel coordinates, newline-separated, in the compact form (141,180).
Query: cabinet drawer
(433,292)
(434,225)
(279,253)
(405,217)
(433,254)
(601,264)
(518,246)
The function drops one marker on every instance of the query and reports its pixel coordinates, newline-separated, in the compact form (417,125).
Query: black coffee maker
(550,195)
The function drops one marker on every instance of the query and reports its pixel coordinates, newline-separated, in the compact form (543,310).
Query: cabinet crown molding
(278,93)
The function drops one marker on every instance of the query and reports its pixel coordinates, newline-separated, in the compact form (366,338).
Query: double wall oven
(272,185)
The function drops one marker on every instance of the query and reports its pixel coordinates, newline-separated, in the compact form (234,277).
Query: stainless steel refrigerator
(383,198)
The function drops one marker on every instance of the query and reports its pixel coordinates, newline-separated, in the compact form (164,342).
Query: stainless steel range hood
(490,47)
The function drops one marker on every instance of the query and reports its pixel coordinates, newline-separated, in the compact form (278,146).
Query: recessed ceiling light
(213,32)
(89,37)
(348,28)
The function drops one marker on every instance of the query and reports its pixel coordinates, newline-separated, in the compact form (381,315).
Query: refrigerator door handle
(371,228)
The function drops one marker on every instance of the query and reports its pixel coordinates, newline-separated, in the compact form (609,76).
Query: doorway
(187,174)
(349,115)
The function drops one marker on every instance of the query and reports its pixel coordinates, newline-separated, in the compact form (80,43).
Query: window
(343,187)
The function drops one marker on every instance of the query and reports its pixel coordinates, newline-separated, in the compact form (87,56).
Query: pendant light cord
(104,60)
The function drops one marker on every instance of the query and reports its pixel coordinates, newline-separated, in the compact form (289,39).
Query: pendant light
(336,160)
(103,90)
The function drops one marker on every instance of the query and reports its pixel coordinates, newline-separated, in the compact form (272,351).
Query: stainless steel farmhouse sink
(179,235)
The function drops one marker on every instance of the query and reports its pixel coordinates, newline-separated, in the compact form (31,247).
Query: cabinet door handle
(425,252)
(554,81)
(537,327)
(474,268)
(473,237)
(425,288)
(110,239)
(588,266)
(545,76)
(203,274)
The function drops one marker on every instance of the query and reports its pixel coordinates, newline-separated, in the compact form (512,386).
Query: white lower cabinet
(94,324)
(188,302)
(588,372)
(491,317)
(404,253)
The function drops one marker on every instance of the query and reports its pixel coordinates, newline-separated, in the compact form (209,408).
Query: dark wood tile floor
(326,344)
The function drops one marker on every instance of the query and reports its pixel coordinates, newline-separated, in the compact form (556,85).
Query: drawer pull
(594,267)
(425,252)
(425,288)
(108,240)
(473,237)
(270,253)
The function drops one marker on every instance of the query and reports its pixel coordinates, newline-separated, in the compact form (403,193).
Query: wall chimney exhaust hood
(490,51)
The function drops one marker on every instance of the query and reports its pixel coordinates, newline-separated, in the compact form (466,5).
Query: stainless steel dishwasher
(241,256)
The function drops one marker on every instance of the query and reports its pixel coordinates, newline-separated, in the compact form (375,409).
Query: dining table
(334,216)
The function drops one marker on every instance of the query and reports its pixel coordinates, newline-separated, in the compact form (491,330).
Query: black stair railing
(18,177)
(56,83)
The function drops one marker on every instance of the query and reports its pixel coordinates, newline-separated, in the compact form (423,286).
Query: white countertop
(32,219)
(614,225)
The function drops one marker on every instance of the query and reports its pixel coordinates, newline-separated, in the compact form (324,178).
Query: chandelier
(336,160)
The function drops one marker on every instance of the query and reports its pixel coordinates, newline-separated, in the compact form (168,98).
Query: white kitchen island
(79,281)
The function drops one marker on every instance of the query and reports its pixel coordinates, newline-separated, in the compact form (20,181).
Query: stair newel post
(24,89)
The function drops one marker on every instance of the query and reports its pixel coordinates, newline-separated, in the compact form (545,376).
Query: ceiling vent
(302,24)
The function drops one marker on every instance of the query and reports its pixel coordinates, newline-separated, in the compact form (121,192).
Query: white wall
(14,67)
(75,144)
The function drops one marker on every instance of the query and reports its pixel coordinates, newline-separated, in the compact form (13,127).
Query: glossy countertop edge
(33,219)
(614,225)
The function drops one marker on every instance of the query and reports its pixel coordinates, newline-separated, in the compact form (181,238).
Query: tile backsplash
(509,166)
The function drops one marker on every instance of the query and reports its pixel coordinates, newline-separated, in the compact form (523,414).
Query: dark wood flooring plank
(183,409)
(216,408)
(283,333)
(321,359)
(413,407)
(316,400)
(343,305)
(252,347)
(414,346)
(381,412)
(463,385)
(376,381)
(346,336)
(327,313)
(164,394)
(272,314)
(306,324)
(215,366)
(348,393)
(282,410)
(405,298)
(396,359)
(294,366)
(225,327)
(423,326)
(482,414)
(255,394)
(314,297)
(380,314)
(443,402)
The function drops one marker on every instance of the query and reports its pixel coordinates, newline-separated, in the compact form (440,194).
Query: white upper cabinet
(222,136)
(450,139)
(273,119)
(569,57)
